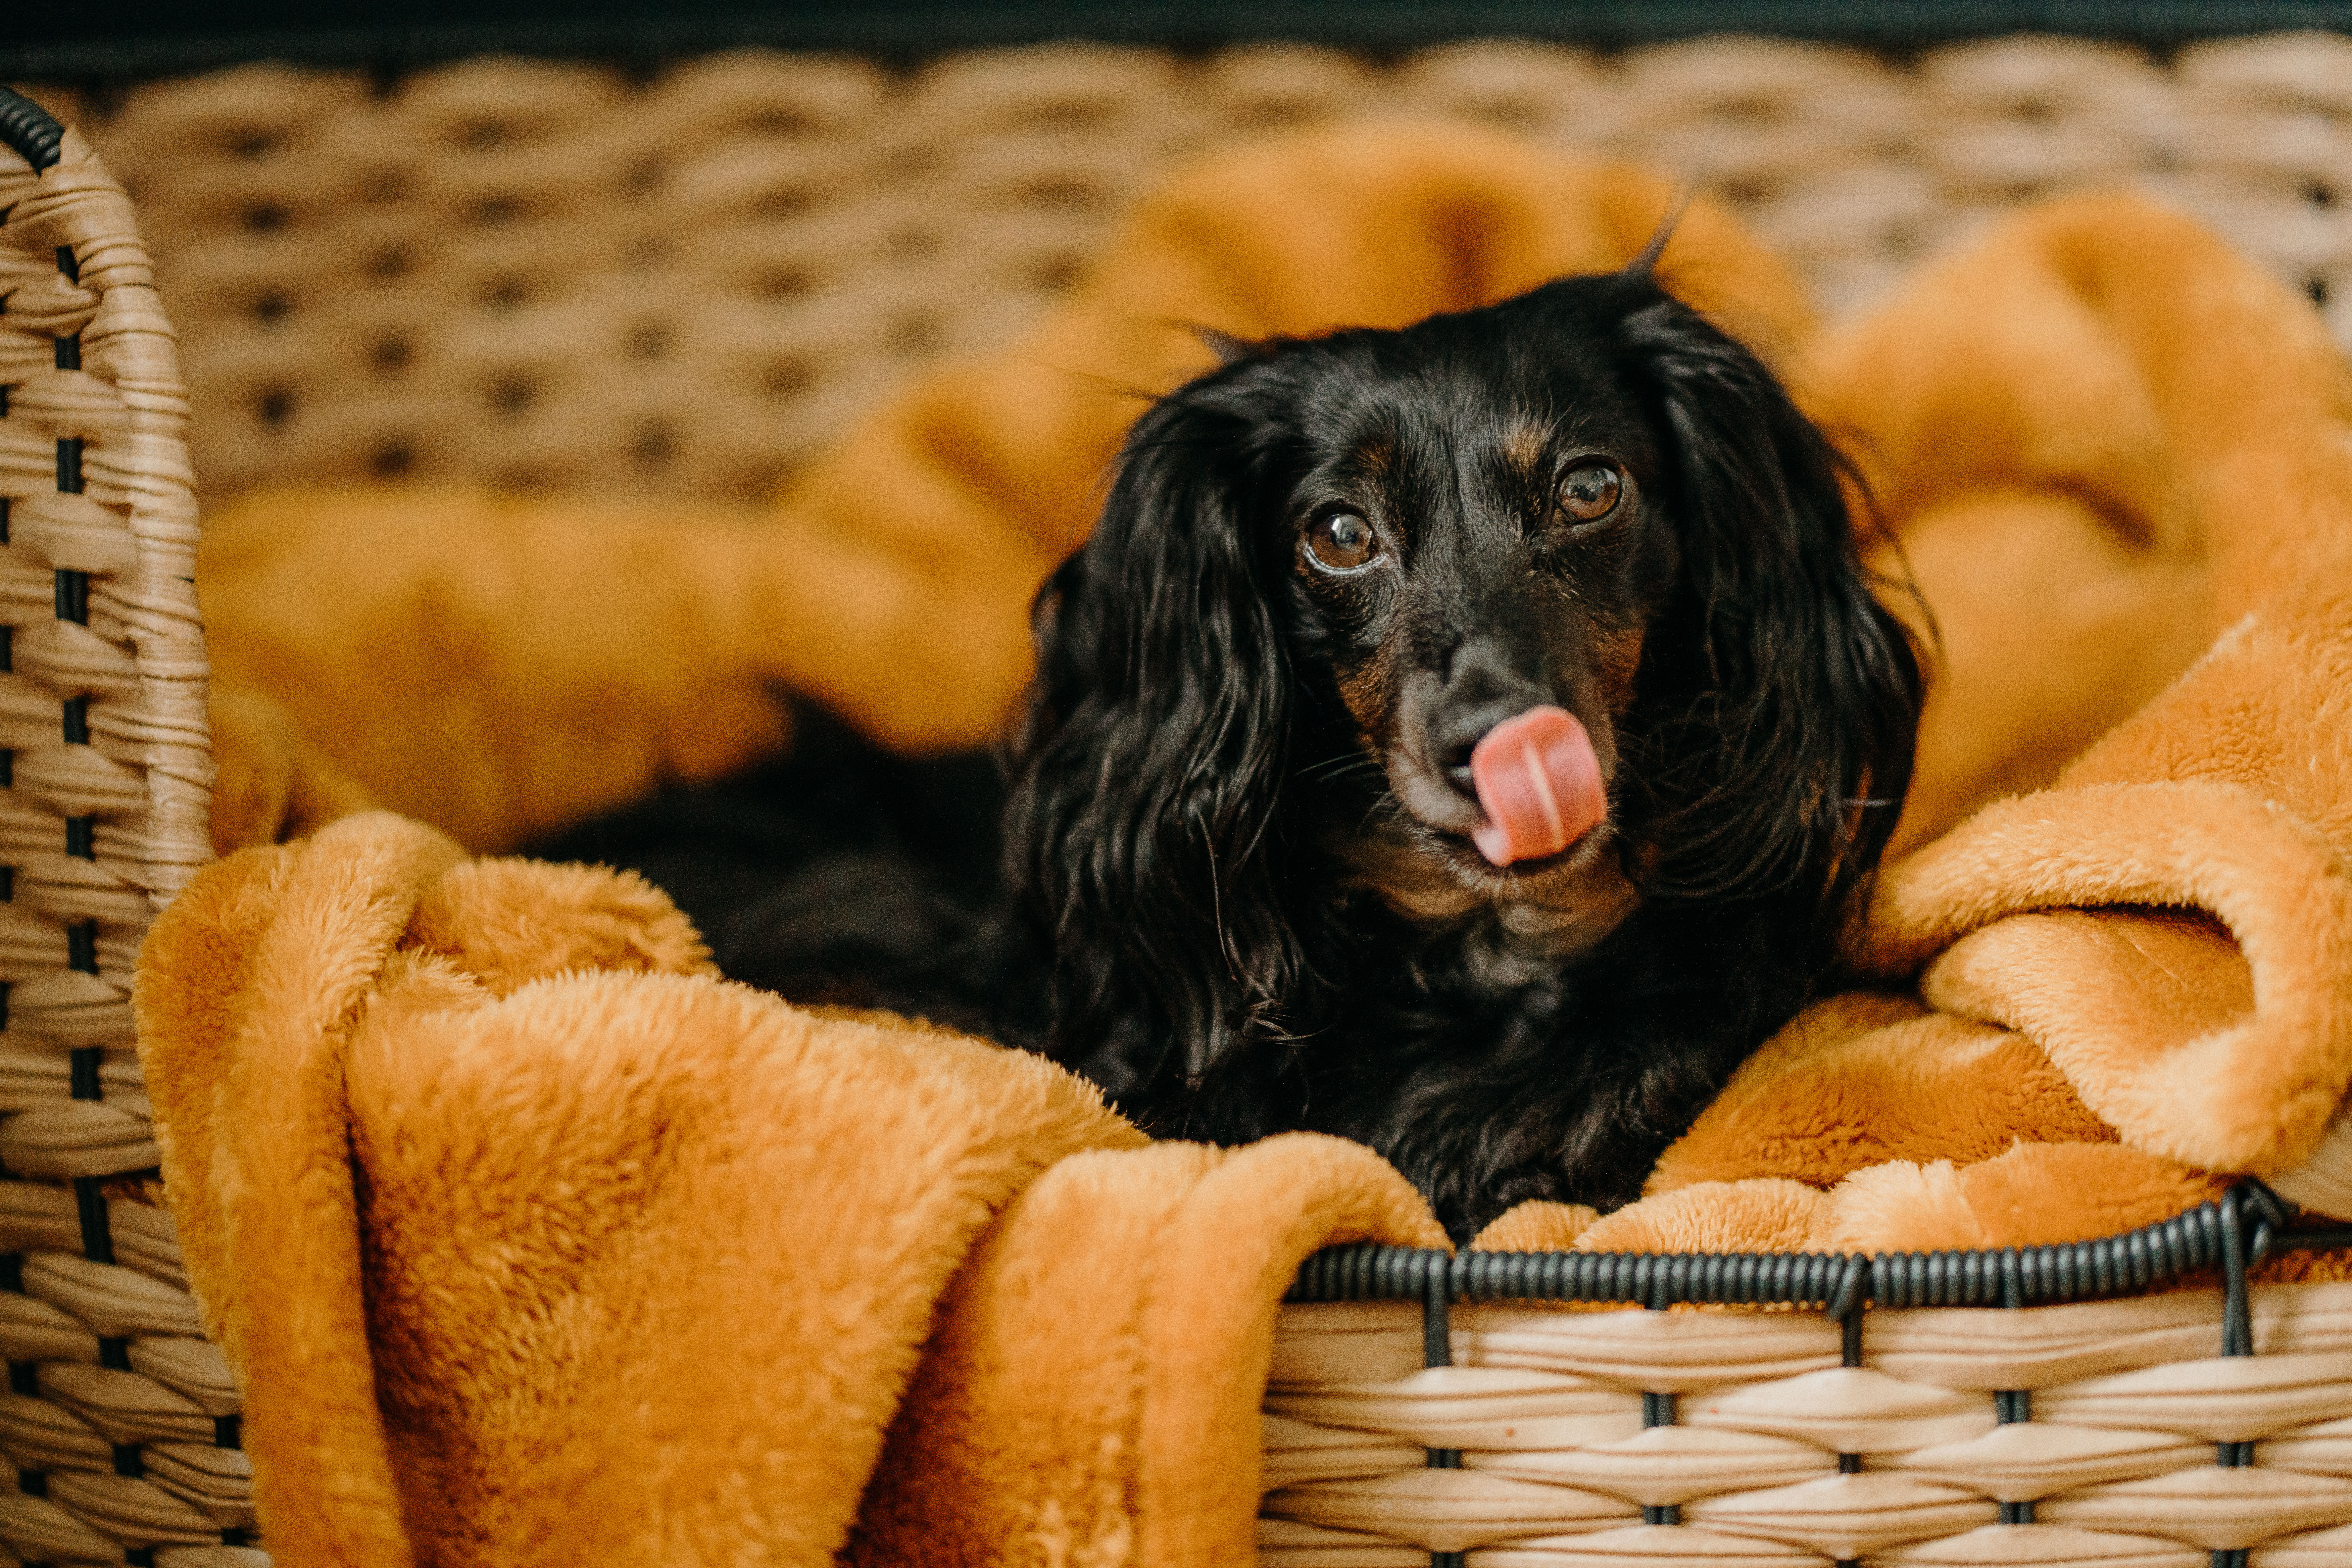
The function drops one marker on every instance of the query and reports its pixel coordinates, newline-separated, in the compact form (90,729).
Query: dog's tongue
(1539,785)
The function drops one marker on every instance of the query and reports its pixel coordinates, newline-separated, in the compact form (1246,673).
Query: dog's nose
(1481,691)
(1456,736)
(1458,774)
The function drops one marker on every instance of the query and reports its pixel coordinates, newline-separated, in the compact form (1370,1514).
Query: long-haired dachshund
(1466,739)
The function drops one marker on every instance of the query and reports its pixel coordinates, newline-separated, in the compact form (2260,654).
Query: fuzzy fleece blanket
(536,1242)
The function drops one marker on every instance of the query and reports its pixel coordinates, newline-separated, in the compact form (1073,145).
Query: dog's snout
(1481,691)
(1456,734)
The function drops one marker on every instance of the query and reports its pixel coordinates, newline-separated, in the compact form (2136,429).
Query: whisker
(1340,767)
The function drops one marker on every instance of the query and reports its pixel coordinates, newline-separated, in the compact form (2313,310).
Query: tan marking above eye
(1524,447)
(1342,542)
(1589,491)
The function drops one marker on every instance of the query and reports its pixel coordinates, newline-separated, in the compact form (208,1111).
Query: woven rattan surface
(550,274)
(1428,1404)
(2098,1433)
(121,1418)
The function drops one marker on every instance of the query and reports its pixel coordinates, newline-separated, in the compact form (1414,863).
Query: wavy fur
(1236,890)
(1248,929)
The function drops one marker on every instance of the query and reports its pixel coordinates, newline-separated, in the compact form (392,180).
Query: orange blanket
(536,1244)
(2110,956)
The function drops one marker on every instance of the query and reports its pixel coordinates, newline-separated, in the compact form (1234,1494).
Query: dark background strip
(130,39)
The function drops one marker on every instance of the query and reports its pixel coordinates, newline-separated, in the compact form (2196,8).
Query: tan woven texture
(116,1403)
(544,274)
(2127,1400)
(553,276)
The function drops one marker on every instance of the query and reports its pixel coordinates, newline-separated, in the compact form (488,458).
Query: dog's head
(1582,526)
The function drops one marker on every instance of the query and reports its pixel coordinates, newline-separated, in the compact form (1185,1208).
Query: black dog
(1260,873)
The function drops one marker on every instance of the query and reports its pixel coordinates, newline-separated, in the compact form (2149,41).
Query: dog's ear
(1806,690)
(1142,828)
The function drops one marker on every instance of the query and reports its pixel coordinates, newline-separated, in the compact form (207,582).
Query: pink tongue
(1539,785)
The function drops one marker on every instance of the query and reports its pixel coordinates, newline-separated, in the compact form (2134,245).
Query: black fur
(1236,889)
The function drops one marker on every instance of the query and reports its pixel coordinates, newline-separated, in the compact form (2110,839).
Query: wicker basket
(120,1417)
(555,275)
(1919,1411)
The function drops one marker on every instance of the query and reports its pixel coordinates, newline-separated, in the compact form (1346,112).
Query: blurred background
(589,245)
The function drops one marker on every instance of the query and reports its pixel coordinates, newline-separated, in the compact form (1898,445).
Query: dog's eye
(1342,540)
(1589,491)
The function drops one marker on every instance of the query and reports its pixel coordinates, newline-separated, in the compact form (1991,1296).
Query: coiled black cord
(27,128)
(2071,1271)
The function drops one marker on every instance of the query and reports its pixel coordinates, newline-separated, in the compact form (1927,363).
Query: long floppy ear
(1805,691)
(1142,831)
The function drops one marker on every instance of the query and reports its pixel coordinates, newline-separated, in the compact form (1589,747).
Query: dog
(1471,738)
(1468,739)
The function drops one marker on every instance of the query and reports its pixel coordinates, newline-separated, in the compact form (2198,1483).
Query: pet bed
(1407,1276)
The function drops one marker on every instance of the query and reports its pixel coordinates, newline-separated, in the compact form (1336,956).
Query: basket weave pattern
(121,1418)
(544,274)
(555,275)
(2081,1434)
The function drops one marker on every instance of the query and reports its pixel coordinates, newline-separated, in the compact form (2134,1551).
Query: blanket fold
(535,1242)
(2169,917)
